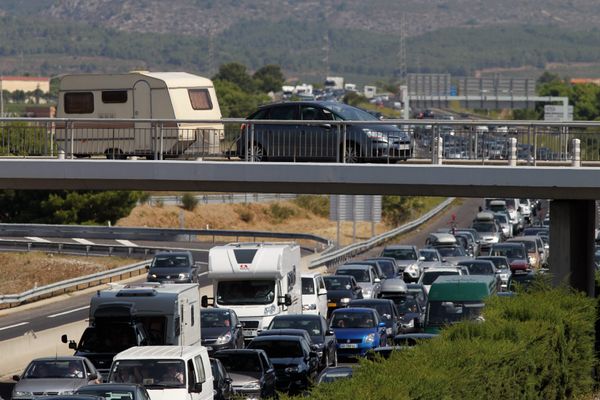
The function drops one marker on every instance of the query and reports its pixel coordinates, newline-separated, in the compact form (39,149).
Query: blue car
(357,330)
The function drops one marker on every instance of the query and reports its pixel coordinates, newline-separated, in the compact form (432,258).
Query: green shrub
(318,205)
(245,215)
(189,202)
(280,213)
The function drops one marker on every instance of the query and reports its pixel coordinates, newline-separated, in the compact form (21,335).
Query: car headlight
(376,135)
(367,292)
(224,338)
(307,307)
(153,275)
(66,392)
(254,385)
(345,300)
(22,394)
(270,309)
(409,324)
(531,259)
(184,276)
(370,338)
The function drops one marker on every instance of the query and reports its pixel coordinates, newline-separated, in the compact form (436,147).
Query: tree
(398,209)
(234,102)
(269,78)
(236,73)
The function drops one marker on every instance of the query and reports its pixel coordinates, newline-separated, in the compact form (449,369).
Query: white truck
(143,314)
(257,280)
(138,95)
(167,372)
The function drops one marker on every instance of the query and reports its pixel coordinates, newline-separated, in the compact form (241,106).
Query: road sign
(556,113)
(355,208)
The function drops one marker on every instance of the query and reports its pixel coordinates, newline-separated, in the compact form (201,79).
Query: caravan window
(200,99)
(79,103)
(114,96)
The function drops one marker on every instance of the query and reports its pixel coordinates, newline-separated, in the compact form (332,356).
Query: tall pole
(1,96)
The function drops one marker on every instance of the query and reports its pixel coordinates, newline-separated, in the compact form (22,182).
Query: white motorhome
(257,280)
(138,95)
(139,315)
(167,372)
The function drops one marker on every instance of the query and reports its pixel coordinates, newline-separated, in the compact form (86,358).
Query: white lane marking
(126,242)
(83,241)
(37,239)
(13,326)
(68,312)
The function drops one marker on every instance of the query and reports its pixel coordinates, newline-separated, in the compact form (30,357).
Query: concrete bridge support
(572,229)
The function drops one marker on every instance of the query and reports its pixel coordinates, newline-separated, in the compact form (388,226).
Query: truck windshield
(447,312)
(150,373)
(107,338)
(246,292)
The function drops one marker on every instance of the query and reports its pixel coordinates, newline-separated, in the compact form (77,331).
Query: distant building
(24,83)
(581,81)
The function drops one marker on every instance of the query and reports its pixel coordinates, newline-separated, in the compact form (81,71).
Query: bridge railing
(383,141)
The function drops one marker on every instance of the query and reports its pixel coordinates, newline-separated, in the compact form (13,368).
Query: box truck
(167,372)
(257,280)
(144,314)
(138,95)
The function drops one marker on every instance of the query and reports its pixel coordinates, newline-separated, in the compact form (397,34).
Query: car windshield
(239,362)
(308,286)
(157,373)
(384,310)
(337,282)
(529,244)
(352,320)
(107,338)
(215,319)
(349,113)
(484,227)
(429,255)
(246,292)
(278,348)
(168,260)
(451,251)
(100,391)
(400,254)
(312,325)
(430,276)
(361,275)
(67,369)
(445,312)
(499,262)
(510,252)
(332,376)
(479,268)
(501,219)
(388,269)
(407,305)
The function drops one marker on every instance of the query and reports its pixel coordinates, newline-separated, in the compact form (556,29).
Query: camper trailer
(143,96)
(257,280)
(139,315)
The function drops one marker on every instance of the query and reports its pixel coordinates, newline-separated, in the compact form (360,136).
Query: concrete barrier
(18,352)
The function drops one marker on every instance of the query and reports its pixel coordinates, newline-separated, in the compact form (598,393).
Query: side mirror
(196,387)
(204,301)
(329,332)
(239,326)
(326,126)
(92,377)
(322,292)
(381,325)
(147,267)
(421,258)
(73,345)
(64,339)
(376,280)
(287,300)
(16,378)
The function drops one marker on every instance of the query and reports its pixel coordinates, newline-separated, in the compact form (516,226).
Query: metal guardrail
(302,140)
(228,198)
(337,257)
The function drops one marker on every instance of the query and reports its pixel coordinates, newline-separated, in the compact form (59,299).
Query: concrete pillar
(438,151)
(512,152)
(572,226)
(576,158)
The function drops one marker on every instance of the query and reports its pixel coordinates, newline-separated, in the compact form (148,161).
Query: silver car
(51,376)
(366,277)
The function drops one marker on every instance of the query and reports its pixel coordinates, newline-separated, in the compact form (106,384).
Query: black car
(130,391)
(176,267)
(481,266)
(412,314)
(341,290)
(418,290)
(321,336)
(221,380)
(387,265)
(323,140)
(251,371)
(388,311)
(220,329)
(296,365)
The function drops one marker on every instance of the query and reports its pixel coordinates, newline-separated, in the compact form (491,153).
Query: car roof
(353,266)
(394,284)
(59,358)
(354,310)
(286,338)
(371,301)
(400,246)
(237,351)
(289,317)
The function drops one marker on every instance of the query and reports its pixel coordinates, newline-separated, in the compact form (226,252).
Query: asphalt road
(75,307)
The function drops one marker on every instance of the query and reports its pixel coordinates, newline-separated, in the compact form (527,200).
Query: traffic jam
(269,328)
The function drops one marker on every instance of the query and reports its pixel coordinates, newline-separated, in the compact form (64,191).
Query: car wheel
(352,154)
(258,151)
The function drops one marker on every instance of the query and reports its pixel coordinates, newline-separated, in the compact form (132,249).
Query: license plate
(331,304)
(404,146)
(348,346)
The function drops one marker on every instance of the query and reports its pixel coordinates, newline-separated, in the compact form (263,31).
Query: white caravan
(314,294)
(167,372)
(138,95)
(257,280)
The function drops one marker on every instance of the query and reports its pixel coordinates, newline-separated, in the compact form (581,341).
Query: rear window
(79,103)
(200,99)
(308,286)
